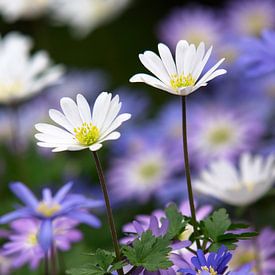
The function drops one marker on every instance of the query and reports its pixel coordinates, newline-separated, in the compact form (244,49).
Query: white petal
(113,111)
(152,81)
(189,59)
(199,57)
(215,74)
(167,59)
(199,68)
(116,123)
(71,112)
(207,75)
(60,119)
(95,147)
(181,48)
(52,130)
(153,63)
(83,108)
(59,149)
(51,139)
(76,147)
(101,108)
(112,136)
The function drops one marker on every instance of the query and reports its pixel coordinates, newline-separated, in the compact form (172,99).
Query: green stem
(53,260)
(108,208)
(187,171)
(46,264)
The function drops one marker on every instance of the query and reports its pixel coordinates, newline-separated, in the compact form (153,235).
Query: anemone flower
(215,263)
(179,77)
(238,186)
(50,208)
(81,128)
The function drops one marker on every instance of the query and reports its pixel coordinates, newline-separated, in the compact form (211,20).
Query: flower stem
(53,260)
(108,208)
(187,171)
(46,264)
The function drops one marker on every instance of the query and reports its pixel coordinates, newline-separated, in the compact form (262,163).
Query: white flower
(23,75)
(86,15)
(81,128)
(179,77)
(238,187)
(27,9)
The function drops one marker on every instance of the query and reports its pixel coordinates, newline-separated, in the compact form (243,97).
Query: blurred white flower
(23,75)
(81,128)
(238,187)
(86,15)
(179,77)
(13,10)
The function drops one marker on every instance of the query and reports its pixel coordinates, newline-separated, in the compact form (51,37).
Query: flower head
(251,17)
(238,186)
(23,245)
(82,129)
(49,208)
(214,264)
(257,254)
(193,24)
(179,77)
(142,174)
(23,75)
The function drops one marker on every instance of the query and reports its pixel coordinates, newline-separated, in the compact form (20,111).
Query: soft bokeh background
(103,60)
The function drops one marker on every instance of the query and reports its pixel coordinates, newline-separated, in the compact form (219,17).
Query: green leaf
(216,224)
(103,262)
(235,226)
(149,252)
(177,221)
(215,246)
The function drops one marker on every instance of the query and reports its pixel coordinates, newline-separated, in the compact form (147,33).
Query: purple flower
(243,270)
(215,263)
(23,246)
(259,253)
(250,17)
(141,174)
(194,24)
(258,57)
(50,208)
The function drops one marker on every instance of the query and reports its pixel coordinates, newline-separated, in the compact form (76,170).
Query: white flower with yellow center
(82,129)
(179,77)
(23,75)
(234,186)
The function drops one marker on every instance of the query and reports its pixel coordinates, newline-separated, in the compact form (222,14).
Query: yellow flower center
(242,256)
(87,134)
(181,81)
(149,170)
(219,136)
(209,269)
(10,89)
(32,239)
(48,210)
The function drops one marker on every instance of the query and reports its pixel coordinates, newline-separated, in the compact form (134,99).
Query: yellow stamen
(32,239)
(181,81)
(48,210)
(87,134)
(209,269)
(219,136)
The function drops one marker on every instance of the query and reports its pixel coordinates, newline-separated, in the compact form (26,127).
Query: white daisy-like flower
(82,129)
(238,186)
(23,75)
(179,77)
(26,9)
(86,15)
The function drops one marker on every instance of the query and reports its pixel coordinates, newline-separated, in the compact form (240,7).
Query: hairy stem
(108,208)
(187,171)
